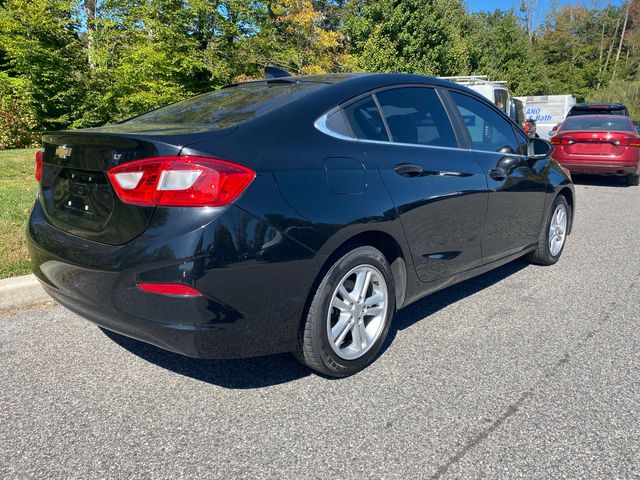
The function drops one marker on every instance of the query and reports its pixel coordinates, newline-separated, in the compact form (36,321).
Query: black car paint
(257,261)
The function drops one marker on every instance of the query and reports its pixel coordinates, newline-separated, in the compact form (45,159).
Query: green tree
(500,47)
(418,36)
(42,59)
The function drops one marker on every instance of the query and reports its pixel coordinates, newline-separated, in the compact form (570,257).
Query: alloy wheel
(357,313)
(557,230)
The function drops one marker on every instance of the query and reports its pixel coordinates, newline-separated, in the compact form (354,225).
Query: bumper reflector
(175,289)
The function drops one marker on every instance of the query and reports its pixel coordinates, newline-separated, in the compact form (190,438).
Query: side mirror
(506,164)
(539,149)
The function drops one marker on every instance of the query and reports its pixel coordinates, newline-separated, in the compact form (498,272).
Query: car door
(439,192)
(517,186)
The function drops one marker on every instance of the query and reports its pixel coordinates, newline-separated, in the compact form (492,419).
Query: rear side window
(487,128)
(229,106)
(337,124)
(598,123)
(365,120)
(415,115)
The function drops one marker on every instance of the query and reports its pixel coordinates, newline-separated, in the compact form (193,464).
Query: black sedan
(290,214)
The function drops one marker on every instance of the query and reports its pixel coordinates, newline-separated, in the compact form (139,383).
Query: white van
(548,111)
(495,91)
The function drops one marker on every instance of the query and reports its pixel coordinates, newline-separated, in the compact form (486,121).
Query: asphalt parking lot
(525,372)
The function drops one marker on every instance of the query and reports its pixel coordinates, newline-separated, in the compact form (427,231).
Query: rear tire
(553,235)
(633,180)
(349,315)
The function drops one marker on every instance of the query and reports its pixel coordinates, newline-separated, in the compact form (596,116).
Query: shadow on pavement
(600,180)
(276,369)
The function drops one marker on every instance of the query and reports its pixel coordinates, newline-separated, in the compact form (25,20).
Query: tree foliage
(81,63)
(417,36)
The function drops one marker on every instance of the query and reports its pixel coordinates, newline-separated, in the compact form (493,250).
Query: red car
(599,144)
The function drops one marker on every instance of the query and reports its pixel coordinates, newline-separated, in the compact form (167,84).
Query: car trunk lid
(609,144)
(76,194)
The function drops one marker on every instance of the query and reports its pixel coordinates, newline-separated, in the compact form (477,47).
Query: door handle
(498,174)
(409,170)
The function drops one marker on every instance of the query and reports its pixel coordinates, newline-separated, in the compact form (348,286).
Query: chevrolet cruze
(291,214)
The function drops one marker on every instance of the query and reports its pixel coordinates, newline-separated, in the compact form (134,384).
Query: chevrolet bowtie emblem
(63,151)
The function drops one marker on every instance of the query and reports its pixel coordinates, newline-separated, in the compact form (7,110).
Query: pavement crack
(529,393)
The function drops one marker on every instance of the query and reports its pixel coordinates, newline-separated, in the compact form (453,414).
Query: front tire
(553,234)
(350,314)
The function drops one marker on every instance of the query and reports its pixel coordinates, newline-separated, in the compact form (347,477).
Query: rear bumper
(599,166)
(192,340)
(252,277)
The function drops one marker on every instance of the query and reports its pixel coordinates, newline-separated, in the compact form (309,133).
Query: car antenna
(274,72)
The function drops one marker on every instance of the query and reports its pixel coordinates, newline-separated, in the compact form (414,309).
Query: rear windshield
(598,123)
(229,106)
(598,111)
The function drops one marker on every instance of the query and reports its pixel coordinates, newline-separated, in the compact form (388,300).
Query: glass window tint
(598,111)
(597,123)
(365,120)
(337,124)
(229,106)
(416,115)
(523,142)
(488,130)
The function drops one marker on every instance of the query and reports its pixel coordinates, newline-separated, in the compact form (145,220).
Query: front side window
(523,143)
(415,115)
(488,129)
(365,120)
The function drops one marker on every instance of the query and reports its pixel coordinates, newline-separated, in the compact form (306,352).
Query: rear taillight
(38,172)
(182,181)
(562,141)
(174,289)
(627,142)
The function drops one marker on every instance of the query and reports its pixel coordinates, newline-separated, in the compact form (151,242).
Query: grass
(18,190)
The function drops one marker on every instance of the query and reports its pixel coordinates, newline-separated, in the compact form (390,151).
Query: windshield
(598,122)
(229,106)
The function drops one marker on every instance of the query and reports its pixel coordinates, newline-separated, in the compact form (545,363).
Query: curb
(20,292)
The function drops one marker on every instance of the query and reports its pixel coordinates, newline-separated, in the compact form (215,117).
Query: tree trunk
(624,29)
(90,10)
(606,63)
(604,23)
(529,9)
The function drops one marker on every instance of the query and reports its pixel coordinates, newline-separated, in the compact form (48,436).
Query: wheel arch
(383,241)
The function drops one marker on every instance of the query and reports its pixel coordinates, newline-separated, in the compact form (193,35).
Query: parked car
(599,144)
(599,109)
(293,214)
(516,113)
(531,128)
(547,111)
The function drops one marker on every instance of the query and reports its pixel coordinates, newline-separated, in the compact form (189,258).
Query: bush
(18,124)
(623,91)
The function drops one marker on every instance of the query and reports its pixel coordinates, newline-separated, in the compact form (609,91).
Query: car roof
(375,79)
